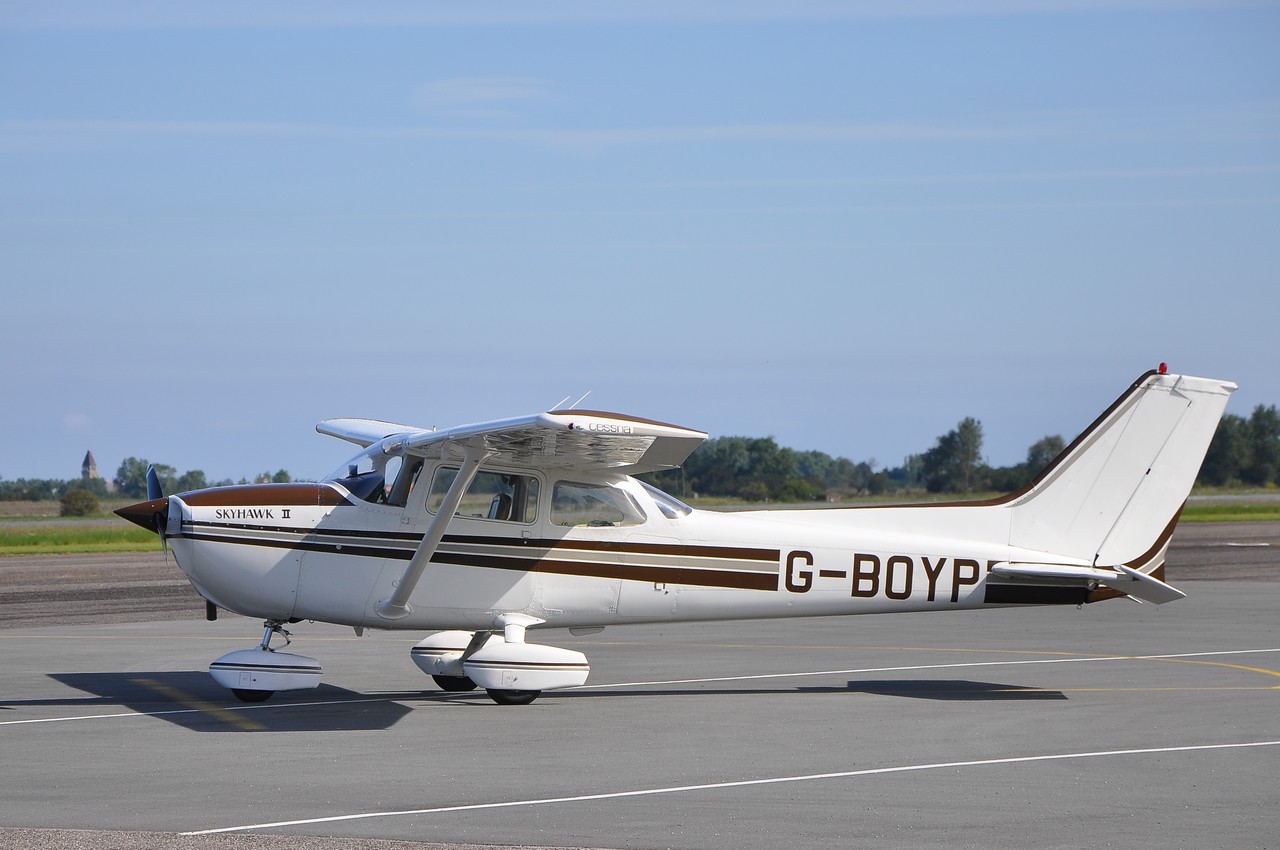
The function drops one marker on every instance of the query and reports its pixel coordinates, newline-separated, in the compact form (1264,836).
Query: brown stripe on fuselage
(1141,562)
(1161,542)
(308,531)
(623,571)
(673,549)
(539,563)
(300,495)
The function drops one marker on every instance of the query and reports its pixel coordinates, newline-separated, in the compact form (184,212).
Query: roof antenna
(579,401)
(556,406)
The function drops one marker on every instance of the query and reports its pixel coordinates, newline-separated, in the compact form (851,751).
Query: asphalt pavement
(1113,725)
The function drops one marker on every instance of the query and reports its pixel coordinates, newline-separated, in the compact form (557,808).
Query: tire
(455,683)
(247,695)
(512,697)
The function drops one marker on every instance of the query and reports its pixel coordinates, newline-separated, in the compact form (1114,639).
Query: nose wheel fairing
(253,675)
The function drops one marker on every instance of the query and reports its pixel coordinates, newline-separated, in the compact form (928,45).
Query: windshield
(671,507)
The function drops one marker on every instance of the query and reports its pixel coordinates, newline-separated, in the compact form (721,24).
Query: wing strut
(397,606)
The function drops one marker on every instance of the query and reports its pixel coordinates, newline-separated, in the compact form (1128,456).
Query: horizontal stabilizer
(1124,579)
(1041,572)
(1144,587)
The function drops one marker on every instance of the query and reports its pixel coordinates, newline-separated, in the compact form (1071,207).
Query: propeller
(153,514)
(154,493)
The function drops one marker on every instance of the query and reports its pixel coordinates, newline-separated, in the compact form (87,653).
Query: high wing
(564,439)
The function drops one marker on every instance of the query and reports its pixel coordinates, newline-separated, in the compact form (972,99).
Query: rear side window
(492,495)
(594,505)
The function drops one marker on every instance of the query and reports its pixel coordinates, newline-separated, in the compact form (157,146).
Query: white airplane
(481,532)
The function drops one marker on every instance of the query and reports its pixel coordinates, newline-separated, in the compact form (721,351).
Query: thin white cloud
(469,98)
(75,421)
(1254,121)
(16,135)
(467,91)
(296,14)
(1072,175)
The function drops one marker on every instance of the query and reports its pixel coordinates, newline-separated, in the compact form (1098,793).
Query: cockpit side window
(594,505)
(380,479)
(492,495)
(400,484)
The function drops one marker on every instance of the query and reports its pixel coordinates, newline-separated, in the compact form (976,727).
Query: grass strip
(51,537)
(54,538)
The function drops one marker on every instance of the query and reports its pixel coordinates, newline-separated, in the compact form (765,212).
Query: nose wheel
(512,697)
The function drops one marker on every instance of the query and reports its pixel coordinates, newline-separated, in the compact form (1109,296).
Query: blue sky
(847,225)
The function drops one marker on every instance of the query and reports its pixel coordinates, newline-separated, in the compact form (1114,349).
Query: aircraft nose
(152,515)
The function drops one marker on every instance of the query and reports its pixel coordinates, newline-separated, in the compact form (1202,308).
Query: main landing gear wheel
(512,697)
(247,695)
(454,683)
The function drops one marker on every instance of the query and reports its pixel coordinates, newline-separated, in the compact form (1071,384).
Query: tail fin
(1112,497)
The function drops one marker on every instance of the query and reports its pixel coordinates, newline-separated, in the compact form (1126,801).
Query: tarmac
(1112,725)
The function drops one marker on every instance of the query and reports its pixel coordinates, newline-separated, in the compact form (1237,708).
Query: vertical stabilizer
(1112,495)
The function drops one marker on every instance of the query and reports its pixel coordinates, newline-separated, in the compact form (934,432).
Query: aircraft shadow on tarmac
(191,699)
(952,689)
(939,689)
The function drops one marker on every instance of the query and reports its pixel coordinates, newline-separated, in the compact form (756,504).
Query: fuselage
(325,552)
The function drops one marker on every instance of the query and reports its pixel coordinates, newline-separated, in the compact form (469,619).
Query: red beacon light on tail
(1164,369)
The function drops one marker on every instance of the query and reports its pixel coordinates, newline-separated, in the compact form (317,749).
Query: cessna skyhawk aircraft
(480,532)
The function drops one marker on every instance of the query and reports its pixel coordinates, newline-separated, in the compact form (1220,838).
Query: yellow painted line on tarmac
(1261,670)
(1191,688)
(232,718)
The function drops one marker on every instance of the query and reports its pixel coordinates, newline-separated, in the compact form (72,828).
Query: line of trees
(1244,452)
(130,481)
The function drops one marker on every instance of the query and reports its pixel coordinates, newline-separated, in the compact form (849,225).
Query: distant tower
(89,469)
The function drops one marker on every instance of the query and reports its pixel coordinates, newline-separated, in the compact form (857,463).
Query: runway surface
(1117,724)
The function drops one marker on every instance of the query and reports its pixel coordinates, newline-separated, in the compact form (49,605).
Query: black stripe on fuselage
(679,550)
(543,563)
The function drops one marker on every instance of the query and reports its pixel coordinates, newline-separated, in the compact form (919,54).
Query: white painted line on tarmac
(743,783)
(759,676)
(1074,660)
